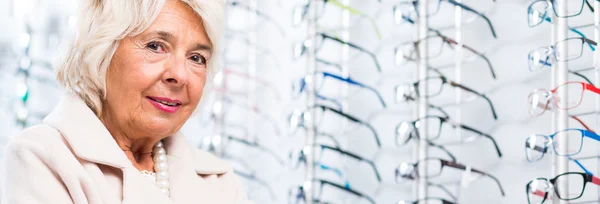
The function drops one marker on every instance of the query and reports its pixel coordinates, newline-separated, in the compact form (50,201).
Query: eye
(155,46)
(198,59)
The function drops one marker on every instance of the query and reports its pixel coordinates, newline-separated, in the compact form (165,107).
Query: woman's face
(155,79)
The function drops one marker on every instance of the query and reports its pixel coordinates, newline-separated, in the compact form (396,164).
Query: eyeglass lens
(575,184)
(574,47)
(538,101)
(537,190)
(537,12)
(574,140)
(535,145)
(574,97)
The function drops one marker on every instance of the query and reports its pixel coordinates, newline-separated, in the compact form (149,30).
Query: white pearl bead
(161,166)
(162,175)
(163,183)
(159,151)
(160,158)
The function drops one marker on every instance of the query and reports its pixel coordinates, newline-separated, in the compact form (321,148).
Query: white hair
(102,24)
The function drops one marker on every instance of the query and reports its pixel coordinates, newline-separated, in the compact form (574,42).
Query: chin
(162,126)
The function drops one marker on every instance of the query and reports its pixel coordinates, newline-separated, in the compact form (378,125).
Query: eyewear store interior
(373,101)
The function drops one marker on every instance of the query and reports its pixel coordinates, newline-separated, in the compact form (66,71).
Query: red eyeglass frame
(586,86)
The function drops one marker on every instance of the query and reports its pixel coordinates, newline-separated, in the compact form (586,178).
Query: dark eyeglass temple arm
(352,81)
(257,146)
(582,76)
(485,58)
(443,149)
(582,123)
(353,119)
(355,157)
(331,137)
(424,200)
(587,2)
(451,41)
(408,98)
(463,167)
(242,162)
(256,180)
(328,63)
(253,109)
(324,98)
(258,13)
(356,193)
(443,188)
(463,6)
(372,55)
(587,40)
(479,94)
(484,135)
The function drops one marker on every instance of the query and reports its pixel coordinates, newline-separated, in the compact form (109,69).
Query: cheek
(131,75)
(196,87)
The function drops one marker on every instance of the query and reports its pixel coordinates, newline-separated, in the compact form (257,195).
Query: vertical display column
(560,77)
(310,100)
(422,100)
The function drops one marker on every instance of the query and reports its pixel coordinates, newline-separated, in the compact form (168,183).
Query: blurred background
(348,99)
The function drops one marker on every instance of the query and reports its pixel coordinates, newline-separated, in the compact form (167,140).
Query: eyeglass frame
(442,121)
(302,196)
(225,89)
(258,13)
(302,157)
(456,166)
(344,115)
(421,201)
(552,97)
(587,178)
(583,41)
(458,4)
(303,48)
(253,178)
(457,85)
(252,144)
(342,6)
(549,140)
(225,99)
(347,80)
(450,41)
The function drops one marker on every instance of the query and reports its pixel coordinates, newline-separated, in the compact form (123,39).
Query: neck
(137,148)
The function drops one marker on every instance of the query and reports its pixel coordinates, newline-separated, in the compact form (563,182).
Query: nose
(175,74)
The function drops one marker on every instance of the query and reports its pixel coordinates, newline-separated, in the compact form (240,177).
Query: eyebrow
(170,37)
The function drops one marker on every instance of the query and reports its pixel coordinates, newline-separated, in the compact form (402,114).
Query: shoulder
(41,139)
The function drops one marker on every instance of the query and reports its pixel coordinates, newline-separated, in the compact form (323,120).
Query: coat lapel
(90,140)
(192,172)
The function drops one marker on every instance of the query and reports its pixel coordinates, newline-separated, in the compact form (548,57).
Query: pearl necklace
(161,177)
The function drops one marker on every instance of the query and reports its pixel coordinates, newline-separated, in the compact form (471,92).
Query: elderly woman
(135,74)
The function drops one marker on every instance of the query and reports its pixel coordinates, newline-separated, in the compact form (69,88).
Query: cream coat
(72,158)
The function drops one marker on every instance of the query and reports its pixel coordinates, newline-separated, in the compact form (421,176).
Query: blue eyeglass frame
(544,150)
(584,133)
(347,80)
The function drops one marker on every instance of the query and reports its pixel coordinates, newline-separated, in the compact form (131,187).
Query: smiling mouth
(165,102)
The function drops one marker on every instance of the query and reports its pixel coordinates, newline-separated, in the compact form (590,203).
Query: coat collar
(90,140)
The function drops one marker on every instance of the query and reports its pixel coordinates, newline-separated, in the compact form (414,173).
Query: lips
(165,104)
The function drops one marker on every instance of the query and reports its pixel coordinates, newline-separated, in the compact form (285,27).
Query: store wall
(275,64)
